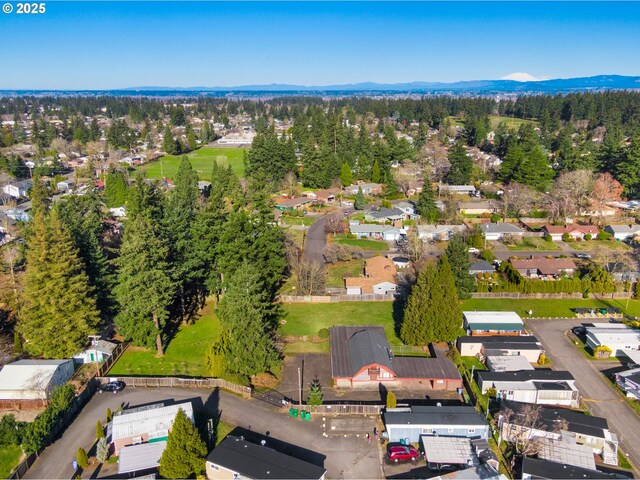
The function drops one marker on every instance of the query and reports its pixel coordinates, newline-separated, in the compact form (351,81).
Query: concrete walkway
(345,457)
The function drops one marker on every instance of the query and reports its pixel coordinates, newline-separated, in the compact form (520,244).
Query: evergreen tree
(360,202)
(82,458)
(426,205)
(99,430)
(315,393)
(168,143)
(145,287)
(184,456)
(17,343)
(421,310)
(116,190)
(449,311)
(191,140)
(59,309)
(346,177)
(460,170)
(179,215)
(375,172)
(458,257)
(248,320)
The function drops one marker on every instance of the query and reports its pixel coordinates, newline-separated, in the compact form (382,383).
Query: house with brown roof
(547,268)
(380,277)
(575,231)
(296,203)
(361,355)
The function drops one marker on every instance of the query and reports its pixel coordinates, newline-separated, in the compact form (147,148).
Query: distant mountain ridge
(615,82)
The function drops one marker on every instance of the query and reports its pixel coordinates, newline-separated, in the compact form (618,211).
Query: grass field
(594,245)
(9,459)
(306,221)
(304,320)
(533,243)
(547,308)
(363,243)
(185,355)
(201,161)
(336,271)
(223,429)
(514,123)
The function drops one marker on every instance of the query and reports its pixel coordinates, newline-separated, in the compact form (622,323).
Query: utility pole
(299,388)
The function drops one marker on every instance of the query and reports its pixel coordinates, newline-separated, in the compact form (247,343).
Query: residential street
(346,457)
(597,393)
(315,241)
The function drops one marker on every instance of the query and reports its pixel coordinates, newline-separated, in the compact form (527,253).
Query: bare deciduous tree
(520,428)
(518,199)
(310,278)
(605,189)
(290,184)
(333,224)
(570,194)
(414,247)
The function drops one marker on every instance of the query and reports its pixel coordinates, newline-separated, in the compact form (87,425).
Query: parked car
(583,255)
(397,453)
(111,387)
(473,250)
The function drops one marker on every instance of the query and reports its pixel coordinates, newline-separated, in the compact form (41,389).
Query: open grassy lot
(201,160)
(306,221)
(338,270)
(534,243)
(363,243)
(514,123)
(595,245)
(304,320)
(547,308)
(185,355)
(9,459)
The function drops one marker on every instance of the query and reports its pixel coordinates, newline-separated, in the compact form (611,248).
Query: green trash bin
(303,413)
(293,412)
(307,416)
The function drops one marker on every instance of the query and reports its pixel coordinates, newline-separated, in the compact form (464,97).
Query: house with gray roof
(446,421)
(382,232)
(497,231)
(382,215)
(481,266)
(361,355)
(623,232)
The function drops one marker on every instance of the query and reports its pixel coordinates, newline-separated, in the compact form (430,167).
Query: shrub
(315,393)
(99,431)
(543,359)
(323,333)
(39,433)
(487,255)
(566,237)
(109,415)
(602,352)
(547,238)
(604,236)
(495,218)
(391,400)
(102,450)
(17,343)
(588,236)
(10,430)
(492,393)
(82,458)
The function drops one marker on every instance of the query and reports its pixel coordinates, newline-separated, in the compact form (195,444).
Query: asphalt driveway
(344,457)
(595,389)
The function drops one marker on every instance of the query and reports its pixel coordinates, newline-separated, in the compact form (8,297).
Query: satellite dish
(438,404)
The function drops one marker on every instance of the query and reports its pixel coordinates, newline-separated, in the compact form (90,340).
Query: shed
(30,382)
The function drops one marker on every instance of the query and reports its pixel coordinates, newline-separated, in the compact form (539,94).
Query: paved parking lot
(343,457)
(596,390)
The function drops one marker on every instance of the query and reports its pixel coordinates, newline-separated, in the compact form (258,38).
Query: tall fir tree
(420,312)
(458,257)
(426,205)
(145,285)
(184,455)
(179,215)
(360,202)
(449,316)
(116,190)
(346,177)
(460,165)
(59,309)
(249,320)
(375,172)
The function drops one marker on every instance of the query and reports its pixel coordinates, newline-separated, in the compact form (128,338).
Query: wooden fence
(157,382)
(335,298)
(347,409)
(111,359)
(567,296)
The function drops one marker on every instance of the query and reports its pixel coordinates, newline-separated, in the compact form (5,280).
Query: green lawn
(534,243)
(9,459)
(185,355)
(201,161)
(336,271)
(513,123)
(547,308)
(223,429)
(363,243)
(306,319)
(593,245)
(307,221)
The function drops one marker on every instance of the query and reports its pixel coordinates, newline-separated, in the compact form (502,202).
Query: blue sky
(99,45)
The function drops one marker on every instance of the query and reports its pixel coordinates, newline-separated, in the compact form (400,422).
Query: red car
(402,452)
